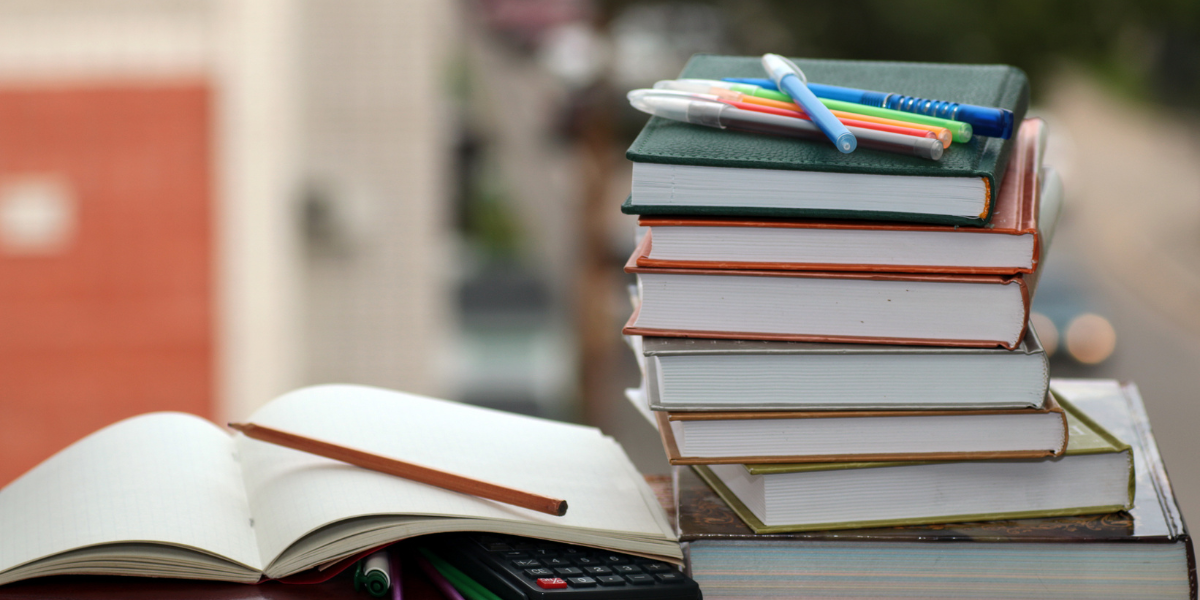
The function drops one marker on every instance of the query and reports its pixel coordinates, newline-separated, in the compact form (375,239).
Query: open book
(173,495)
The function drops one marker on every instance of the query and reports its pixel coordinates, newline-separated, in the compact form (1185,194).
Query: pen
(985,120)
(723,116)
(443,585)
(763,105)
(701,86)
(790,80)
(397,571)
(758,91)
(961,132)
(470,588)
(373,573)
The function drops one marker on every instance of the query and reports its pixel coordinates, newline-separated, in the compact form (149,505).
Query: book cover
(1022,209)
(669,142)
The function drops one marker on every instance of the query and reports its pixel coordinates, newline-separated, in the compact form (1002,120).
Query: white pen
(704,109)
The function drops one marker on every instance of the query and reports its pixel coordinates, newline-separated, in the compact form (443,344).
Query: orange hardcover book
(1016,238)
(745,437)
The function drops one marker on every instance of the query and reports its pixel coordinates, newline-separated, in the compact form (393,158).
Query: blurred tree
(1148,49)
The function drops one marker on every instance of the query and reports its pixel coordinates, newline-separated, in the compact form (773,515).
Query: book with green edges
(1094,476)
(683,169)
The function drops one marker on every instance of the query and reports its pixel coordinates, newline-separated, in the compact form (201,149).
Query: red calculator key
(552,583)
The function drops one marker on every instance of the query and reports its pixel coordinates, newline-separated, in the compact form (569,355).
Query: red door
(105,262)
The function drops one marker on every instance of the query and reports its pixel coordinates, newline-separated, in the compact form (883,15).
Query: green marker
(754,90)
(466,586)
(959,131)
(372,574)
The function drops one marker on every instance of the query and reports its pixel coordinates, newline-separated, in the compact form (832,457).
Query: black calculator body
(517,568)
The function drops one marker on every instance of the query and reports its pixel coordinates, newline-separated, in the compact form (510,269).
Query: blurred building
(206,203)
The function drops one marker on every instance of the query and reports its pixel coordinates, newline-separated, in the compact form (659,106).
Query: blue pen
(984,120)
(790,80)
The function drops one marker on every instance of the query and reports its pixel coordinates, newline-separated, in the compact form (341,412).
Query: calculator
(517,568)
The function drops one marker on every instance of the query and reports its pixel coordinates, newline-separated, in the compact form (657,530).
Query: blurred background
(207,203)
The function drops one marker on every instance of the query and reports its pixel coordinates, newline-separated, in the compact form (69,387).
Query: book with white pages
(687,374)
(173,495)
(1094,476)
(745,437)
(931,309)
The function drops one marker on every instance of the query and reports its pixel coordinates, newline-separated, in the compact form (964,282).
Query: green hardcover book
(683,169)
(1140,553)
(1094,476)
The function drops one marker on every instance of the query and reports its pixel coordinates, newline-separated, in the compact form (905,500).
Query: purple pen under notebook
(397,569)
(443,586)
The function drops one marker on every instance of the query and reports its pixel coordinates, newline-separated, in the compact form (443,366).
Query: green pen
(959,131)
(754,90)
(372,574)
(467,586)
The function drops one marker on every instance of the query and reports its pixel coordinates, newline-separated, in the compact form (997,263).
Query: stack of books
(839,346)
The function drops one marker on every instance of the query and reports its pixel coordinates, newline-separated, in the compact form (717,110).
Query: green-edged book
(683,169)
(1094,476)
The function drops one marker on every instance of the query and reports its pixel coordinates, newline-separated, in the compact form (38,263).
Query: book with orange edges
(1022,225)
(930,309)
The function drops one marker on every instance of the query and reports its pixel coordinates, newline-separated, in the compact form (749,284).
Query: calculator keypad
(543,569)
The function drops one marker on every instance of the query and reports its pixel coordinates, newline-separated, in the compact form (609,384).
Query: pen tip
(236,426)
(847,142)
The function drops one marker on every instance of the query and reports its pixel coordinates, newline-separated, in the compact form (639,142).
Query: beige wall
(376,153)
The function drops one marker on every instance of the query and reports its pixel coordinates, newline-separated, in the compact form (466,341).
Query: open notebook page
(168,478)
(294,493)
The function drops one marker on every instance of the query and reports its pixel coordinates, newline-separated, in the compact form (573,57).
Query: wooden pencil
(391,466)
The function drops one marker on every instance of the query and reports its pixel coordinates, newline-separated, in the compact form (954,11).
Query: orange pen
(784,112)
(941,133)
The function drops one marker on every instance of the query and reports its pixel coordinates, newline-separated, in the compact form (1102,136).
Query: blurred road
(1132,224)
